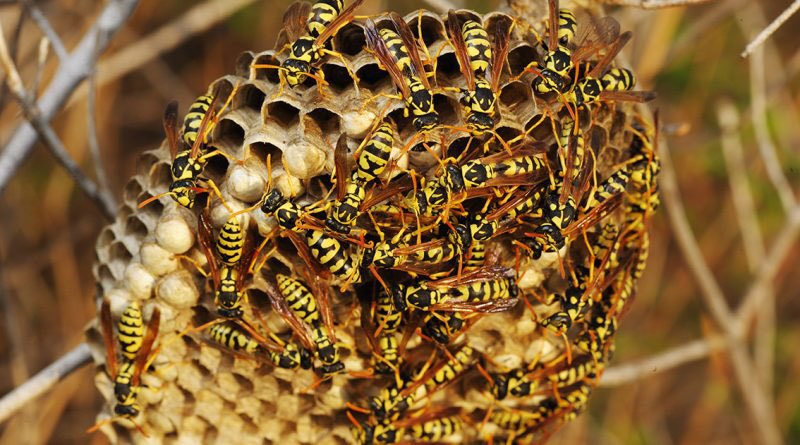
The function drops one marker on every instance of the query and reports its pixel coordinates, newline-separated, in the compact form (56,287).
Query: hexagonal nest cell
(527,312)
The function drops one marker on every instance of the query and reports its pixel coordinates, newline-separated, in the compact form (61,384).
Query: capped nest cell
(524,322)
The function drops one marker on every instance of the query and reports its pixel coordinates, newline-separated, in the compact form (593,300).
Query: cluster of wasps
(423,258)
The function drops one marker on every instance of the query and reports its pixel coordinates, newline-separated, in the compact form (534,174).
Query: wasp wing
(456,35)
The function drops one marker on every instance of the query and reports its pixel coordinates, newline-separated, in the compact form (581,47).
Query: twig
(44,52)
(753,241)
(48,136)
(766,32)
(759,290)
(711,292)
(44,380)
(70,74)
(664,361)
(766,148)
(655,4)
(91,137)
(759,409)
(14,43)
(44,25)
(196,20)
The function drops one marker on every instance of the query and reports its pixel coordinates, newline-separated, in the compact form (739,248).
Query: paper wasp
(602,83)
(392,402)
(228,276)
(382,338)
(309,28)
(490,289)
(422,426)
(281,354)
(397,54)
(302,302)
(188,164)
(136,346)
(481,64)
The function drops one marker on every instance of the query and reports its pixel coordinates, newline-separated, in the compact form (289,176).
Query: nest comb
(200,393)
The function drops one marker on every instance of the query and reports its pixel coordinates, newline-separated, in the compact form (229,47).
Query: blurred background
(729,123)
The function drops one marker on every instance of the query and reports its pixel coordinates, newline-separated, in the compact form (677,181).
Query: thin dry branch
(70,74)
(664,361)
(194,21)
(44,380)
(759,290)
(771,28)
(712,294)
(654,4)
(766,148)
(44,25)
(753,240)
(48,136)
(758,407)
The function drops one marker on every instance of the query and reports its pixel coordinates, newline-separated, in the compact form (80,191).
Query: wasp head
(183,194)
(479,123)
(398,297)
(426,122)
(296,71)
(499,386)
(271,201)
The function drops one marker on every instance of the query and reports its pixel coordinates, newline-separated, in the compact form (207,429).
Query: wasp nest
(515,341)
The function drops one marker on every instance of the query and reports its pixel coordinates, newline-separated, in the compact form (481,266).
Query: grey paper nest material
(198,392)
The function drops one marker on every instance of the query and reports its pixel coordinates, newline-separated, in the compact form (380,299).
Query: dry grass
(706,354)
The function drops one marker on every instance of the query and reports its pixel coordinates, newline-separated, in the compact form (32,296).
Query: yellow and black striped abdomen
(299,299)
(374,158)
(453,367)
(479,49)
(331,253)
(130,331)
(395,46)
(232,338)
(322,14)
(567,26)
(618,79)
(386,316)
(436,429)
(230,242)
(194,117)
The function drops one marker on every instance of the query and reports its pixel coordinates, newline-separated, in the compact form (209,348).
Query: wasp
(389,404)
(397,54)
(489,171)
(565,407)
(440,327)
(309,28)
(188,164)
(523,381)
(387,356)
(552,235)
(302,302)
(560,60)
(517,421)
(482,64)
(374,152)
(136,346)
(601,323)
(490,289)
(430,426)
(283,355)
(236,255)
(602,83)
(350,194)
